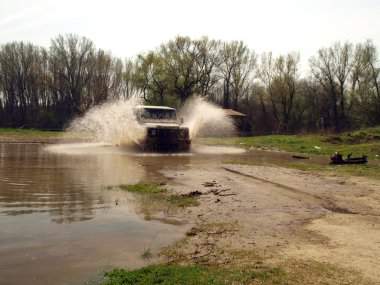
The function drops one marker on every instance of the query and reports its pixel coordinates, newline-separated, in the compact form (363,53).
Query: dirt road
(280,213)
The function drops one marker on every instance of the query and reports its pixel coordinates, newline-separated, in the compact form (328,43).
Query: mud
(281,213)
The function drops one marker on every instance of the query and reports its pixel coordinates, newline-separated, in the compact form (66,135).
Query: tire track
(325,202)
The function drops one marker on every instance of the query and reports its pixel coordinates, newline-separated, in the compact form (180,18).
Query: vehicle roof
(154,107)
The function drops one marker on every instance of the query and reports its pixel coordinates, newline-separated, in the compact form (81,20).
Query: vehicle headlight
(153,132)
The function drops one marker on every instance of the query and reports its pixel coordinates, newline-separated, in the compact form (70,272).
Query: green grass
(159,192)
(144,188)
(23,135)
(371,169)
(289,272)
(366,141)
(195,274)
(14,132)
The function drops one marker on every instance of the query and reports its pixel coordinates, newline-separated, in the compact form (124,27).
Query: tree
(210,62)
(105,80)
(21,67)
(71,62)
(237,65)
(331,67)
(185,67)
(365,85)
(280,78)
(286,81)
(149,78)
(266,74)
(128,86)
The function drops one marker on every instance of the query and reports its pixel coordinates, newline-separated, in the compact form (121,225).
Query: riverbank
(29,136)
(278,225)
(362,142)
(38,136)
(260,223)
(279,215)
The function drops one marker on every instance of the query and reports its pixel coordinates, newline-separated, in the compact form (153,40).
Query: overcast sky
(129,27)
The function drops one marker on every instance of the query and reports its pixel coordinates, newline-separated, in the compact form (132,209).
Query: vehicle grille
(168,133)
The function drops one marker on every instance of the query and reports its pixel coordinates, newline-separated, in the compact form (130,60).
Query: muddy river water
(59,224)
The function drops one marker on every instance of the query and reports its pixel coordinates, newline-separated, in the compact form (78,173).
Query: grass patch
(291,272)
(155,202)
(366,141)
(182,201)
(370,170)
(144,188)
(194,274)
(28,135)
(38,136)
(7,131)
(159,192)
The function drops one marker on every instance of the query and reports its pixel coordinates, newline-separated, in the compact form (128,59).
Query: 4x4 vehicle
(163,129)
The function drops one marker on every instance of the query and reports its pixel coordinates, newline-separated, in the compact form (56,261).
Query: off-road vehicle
(163,130)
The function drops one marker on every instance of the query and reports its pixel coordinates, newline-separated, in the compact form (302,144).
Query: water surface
(58,221)
(59,224)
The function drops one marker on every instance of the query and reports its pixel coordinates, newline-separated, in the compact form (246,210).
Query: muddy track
(327,204)
(283,213)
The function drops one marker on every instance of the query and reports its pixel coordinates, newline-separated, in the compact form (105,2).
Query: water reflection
(68,187)
(59,220)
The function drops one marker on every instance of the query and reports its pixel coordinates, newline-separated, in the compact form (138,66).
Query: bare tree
(21,70)
(105,80)
(72,62)
(237,65)
(128,86)
(266,73)
(365,89)
(286,81)
(331,68)
(210,62)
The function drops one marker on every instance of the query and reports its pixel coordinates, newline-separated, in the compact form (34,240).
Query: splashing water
(112,122)
(205,119)
(115,123)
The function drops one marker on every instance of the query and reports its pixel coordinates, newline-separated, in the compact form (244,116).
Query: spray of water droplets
(205,119)
(114,122)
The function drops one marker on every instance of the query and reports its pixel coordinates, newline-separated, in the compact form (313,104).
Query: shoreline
(288,217)
(253,216)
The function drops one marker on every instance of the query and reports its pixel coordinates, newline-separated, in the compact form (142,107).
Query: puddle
(59,221)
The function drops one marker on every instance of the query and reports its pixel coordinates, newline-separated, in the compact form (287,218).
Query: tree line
(46,88)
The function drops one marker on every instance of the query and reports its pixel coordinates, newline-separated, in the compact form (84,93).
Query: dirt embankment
(279,214)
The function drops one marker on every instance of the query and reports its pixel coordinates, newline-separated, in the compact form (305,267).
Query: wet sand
(282,213)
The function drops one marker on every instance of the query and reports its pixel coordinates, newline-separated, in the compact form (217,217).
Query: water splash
(115,123)
(206,119)
(112,122)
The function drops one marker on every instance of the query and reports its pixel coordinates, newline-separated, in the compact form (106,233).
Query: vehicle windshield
(159,114)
